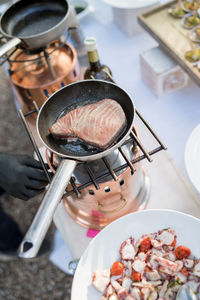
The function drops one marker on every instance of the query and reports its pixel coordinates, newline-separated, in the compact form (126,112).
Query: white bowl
(192,35)
(130,3)
(103,250)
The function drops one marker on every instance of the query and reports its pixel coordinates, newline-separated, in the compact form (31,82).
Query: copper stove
(113,195)
(106,189)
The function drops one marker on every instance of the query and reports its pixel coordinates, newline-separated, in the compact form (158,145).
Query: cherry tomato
(117,268)
(185,271)
(135,276)
(145,245)
(182,252)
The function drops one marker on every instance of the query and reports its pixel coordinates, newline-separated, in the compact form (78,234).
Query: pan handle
(33,239)
(9,45)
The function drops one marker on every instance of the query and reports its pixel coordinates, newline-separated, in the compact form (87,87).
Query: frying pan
(68,98)
(34,23)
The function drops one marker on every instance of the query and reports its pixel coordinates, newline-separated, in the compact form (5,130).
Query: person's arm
(21,176)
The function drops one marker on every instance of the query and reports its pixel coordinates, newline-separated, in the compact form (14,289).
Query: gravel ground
(22,280)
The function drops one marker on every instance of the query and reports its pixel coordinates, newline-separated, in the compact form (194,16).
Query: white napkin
(60,255)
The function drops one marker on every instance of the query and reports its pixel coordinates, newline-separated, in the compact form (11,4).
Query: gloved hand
(21,176)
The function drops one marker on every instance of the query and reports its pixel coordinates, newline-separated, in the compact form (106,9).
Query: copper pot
(32,78)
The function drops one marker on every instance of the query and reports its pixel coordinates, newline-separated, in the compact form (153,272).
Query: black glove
(21,176)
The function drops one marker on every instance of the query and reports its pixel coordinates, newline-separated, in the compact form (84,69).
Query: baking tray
(171,36)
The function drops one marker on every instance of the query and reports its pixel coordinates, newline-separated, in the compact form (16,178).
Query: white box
(125,13)
(160,73)
(126,19)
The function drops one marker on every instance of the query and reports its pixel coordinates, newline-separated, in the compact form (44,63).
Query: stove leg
(49,65)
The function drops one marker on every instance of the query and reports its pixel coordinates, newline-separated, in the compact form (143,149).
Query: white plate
(192,157)
(103,250)
(126,4)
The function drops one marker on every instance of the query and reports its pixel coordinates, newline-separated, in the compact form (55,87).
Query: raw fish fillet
(97,124)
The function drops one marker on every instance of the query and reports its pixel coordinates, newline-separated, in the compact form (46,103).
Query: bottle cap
(90,44)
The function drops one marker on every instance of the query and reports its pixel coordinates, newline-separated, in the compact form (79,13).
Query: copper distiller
(35,75)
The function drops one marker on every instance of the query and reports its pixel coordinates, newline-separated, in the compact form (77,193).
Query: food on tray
(191,21)
(190,5)
(153,267)
(195,34)
(197,31)
(97,124)
(192,55)
(198,66)
(176,11)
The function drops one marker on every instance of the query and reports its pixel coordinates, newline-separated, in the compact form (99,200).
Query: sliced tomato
(185,271)
(173,244)
(117,268)
(147,269)
(182,252)
(135,276)
(145,245)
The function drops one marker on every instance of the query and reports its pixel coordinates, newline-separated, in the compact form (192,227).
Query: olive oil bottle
(96,70)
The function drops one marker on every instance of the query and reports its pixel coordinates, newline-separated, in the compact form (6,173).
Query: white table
(173,117)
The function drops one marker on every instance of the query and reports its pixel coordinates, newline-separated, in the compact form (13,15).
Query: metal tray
(171,36)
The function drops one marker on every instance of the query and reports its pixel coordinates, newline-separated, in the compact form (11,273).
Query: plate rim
(98,236)
(188,154)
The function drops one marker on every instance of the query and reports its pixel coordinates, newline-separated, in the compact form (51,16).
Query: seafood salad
(152,267)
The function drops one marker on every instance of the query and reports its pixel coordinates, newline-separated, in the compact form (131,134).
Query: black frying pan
(34,23)
(68,97)
(71,96)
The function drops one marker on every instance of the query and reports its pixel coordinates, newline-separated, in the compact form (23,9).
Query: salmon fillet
(97,124)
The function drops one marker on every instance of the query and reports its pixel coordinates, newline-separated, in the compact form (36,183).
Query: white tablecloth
(173,117)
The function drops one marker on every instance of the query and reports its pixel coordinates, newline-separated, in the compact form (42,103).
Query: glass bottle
(96,70)
(74,36)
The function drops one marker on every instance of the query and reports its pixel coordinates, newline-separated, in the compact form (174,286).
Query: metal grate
(110,171)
